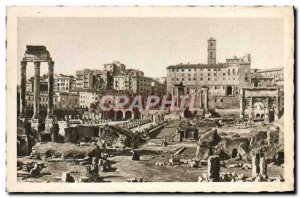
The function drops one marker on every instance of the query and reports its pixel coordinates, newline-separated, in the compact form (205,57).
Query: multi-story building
(64,83)
(276,74)
(223,80)
(162,80)
(60,100)
(67,101)
(86,97)
(85,79)
(115,68)
(94,79)
(141,85)
(158,88)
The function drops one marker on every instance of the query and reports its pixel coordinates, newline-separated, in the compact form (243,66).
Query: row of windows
(215,69)
(30,98)
(201,79)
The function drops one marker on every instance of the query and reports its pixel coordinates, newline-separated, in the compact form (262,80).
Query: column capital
(37,64)
(51,63)
(23,63)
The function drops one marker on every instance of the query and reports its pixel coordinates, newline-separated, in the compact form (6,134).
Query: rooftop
(195,66)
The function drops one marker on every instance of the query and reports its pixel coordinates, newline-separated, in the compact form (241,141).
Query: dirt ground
(123,168)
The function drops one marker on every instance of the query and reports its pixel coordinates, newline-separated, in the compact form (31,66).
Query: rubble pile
(29,169)
(259,172)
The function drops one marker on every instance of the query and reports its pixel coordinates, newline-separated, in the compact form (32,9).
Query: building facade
(64,83)
(86,97)
(223,80)
(141,85)
(277,74)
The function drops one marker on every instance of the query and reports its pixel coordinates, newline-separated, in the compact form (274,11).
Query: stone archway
(259,110)
(260,100)
(128,114)
(119,115)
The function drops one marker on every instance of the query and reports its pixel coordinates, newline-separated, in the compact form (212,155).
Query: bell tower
(211,51)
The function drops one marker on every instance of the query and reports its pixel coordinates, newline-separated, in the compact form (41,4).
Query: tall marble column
(36,107)
(200,99)
(206,99)
(50,89)
(276,113)
(251,110)
(23,90)
(267,111)
(242,108)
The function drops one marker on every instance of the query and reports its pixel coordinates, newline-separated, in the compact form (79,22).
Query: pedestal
(36,126)
(49,122)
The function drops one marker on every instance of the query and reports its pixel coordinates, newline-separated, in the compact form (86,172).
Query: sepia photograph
(150,99)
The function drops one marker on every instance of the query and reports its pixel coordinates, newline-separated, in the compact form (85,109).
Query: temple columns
(36,107)
(200,99)
(205,99)
(242,107)
(49,122)
(276,113)
(267,111)
(251,110)
(50,89)
(23,90)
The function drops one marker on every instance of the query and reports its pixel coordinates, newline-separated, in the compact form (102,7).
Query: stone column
(36,107)
(255,164)
(242,108)
(213,168)
(251,110)
(263,167)
(50,89)
(35,121)
(206,99)
(23,90)
(276,113)
(200,99)
(267,111)
(269,138)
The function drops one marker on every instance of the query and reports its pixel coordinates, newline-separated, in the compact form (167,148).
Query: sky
(149,44)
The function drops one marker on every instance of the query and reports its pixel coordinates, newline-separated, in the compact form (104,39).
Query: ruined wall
(224,102)
(75,134)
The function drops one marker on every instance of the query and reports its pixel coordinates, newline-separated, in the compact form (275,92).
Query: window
(215,69)
(182,79)
(208,79)
(194,78)
(215,74)
(182,70)
(224,74)
(215,99)
(221,100)
(189,79)
(201,79)
(208,74)
(208,69)
(177,79)
(189,69)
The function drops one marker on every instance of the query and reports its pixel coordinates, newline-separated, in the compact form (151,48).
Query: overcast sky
(150,44)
